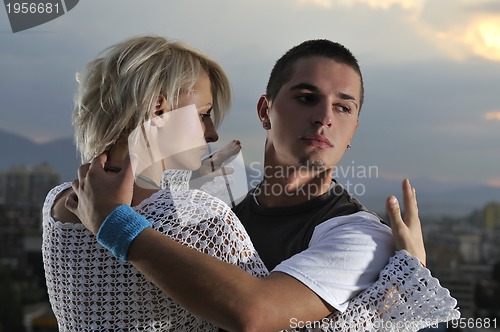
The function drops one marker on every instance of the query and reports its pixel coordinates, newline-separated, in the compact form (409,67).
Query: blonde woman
(145,90)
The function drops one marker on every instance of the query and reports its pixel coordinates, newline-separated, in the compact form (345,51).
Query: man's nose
(322,115)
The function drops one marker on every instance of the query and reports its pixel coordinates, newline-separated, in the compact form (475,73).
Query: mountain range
(435,198)
(59,154)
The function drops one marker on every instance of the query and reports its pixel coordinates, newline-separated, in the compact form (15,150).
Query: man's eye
(307,98)
(342,108)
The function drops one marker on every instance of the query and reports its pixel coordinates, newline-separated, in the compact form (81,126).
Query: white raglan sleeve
(345,256)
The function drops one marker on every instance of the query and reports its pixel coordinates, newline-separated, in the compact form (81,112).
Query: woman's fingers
(226,153)
(71,202)
(82,173)
(394,212)
(407,231)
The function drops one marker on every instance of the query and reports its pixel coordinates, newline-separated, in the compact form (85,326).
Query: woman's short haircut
(117,90)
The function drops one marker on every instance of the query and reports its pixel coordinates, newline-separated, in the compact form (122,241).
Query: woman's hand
(211,166)
(96,193)
(407,232)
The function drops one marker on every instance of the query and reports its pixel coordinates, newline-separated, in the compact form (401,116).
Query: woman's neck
(142,190)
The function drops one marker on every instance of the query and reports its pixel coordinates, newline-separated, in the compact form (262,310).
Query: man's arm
(219,292)
(223,293)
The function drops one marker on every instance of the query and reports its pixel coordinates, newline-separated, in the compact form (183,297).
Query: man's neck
(282,189)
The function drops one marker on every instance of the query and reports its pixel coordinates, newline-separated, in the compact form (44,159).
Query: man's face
(314,116)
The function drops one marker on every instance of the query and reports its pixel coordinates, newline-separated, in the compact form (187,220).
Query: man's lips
(315,140)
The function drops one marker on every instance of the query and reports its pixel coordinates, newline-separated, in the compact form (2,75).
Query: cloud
(494,182)
(492,116)
(319,3)
(469,28)
(483,36)
(374,4)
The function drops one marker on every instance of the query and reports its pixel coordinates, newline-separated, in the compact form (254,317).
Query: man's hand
(408,232)
(96,193)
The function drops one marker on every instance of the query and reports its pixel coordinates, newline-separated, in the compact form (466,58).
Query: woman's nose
(210,133)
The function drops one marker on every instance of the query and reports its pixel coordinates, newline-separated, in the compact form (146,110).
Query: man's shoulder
(358,227)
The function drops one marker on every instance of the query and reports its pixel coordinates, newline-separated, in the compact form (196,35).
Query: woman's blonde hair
(117,90)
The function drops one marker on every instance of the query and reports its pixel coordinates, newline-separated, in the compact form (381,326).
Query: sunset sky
(431,71)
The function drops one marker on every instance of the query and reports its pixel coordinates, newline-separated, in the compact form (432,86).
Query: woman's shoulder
(58,210)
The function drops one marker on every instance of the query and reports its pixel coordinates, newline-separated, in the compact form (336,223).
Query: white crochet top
(90,290)
(404,298)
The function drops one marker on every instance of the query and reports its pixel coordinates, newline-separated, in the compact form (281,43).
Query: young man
(320,244)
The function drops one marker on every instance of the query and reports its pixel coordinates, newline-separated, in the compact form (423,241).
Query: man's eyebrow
(313,88)
(346,96)
(304,86)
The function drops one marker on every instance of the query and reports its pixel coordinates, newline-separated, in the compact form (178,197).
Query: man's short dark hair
(283,69)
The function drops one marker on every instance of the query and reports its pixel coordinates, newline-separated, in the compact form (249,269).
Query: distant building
(22,193)
(461,287)
(492,216)
(42,179)
(470,247)
(21,186)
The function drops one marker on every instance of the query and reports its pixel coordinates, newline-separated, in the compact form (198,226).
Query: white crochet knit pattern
(404,298)
(90,290)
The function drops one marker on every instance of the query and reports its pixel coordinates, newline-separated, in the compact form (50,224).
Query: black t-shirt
(279,233)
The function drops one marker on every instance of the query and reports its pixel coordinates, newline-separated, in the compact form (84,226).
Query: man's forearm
(220,292)
(207,287)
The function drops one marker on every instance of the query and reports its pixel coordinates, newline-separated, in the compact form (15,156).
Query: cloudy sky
(431,70)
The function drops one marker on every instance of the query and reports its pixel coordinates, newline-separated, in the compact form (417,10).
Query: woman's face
(198,102)
(177,138)
(201,97)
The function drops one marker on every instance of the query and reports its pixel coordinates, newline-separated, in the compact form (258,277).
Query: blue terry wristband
(119,229)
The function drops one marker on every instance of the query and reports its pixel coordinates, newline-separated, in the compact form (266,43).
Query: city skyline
(432,108)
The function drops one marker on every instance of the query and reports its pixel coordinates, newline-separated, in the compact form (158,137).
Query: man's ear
(263,108)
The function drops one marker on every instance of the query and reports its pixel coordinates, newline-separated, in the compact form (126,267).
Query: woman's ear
(160,109)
